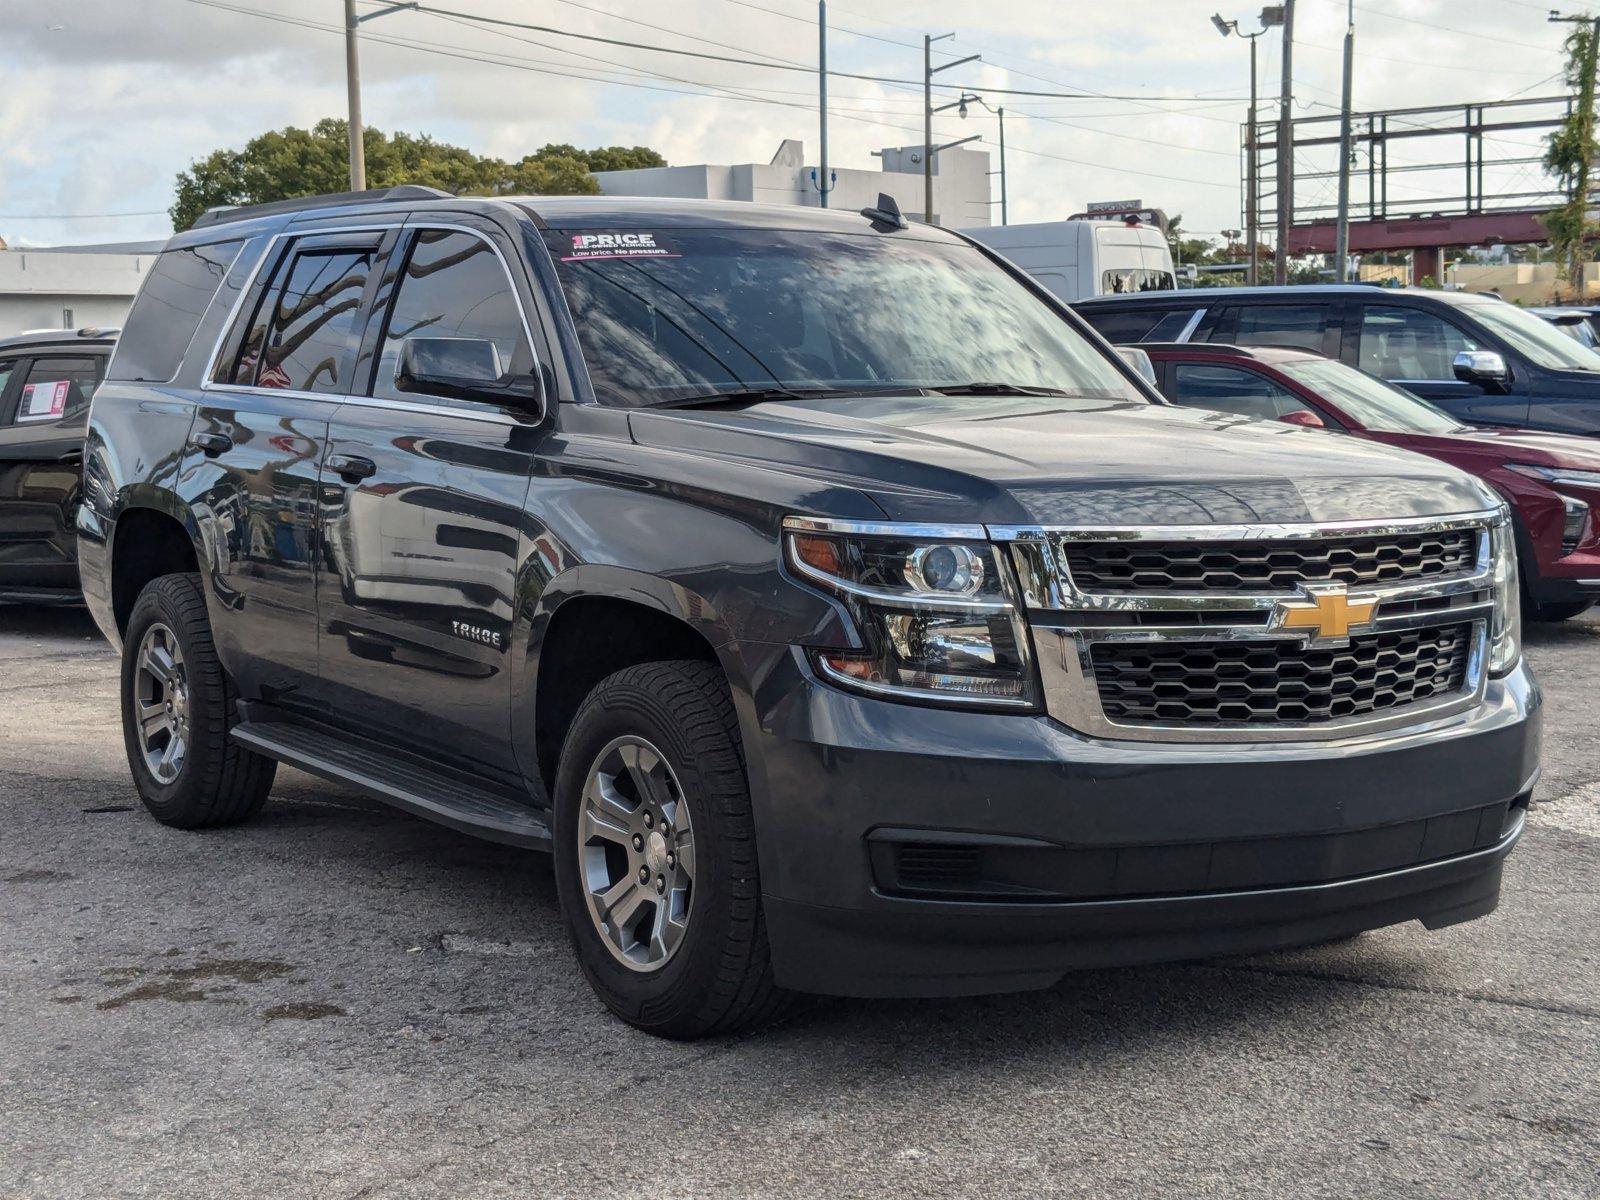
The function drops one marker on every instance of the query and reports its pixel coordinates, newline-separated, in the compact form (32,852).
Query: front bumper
(1165,851)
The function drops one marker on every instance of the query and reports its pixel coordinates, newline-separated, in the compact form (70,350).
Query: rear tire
(1559,612)
(653,764)
(178,709)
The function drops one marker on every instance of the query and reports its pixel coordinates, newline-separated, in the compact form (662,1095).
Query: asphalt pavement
(339,1000)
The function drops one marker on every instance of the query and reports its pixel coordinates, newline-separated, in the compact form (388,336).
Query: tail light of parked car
(937,612)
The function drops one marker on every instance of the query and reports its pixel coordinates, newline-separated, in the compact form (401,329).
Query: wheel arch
(594,619)
(153,535)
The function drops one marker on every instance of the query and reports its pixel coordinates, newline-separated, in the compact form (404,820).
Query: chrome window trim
(1187,331)
(208,382)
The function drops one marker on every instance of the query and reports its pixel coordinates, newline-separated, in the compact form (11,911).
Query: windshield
(1535,337)
(682,313)
(1370,401)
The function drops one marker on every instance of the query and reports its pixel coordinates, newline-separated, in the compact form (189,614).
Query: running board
(431,794)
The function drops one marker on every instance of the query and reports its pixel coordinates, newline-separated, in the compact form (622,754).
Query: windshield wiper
(981,388)
(763,395)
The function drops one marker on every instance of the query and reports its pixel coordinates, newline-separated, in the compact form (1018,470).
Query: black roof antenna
(885,215)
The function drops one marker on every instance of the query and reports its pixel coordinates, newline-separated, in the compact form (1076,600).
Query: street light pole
(1342,238)
(1001,114)
(928,148)
(1252,180)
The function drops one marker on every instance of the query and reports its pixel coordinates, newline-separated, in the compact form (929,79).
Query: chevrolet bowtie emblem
(1326,611)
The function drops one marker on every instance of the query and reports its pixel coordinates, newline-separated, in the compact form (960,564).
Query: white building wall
(41,289)
(960,183)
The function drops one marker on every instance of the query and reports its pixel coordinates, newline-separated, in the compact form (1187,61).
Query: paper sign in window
(44,401)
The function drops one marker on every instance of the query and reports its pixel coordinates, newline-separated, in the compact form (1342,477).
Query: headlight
(1557,475)
(938,616)
(1505,632)
(1575,512)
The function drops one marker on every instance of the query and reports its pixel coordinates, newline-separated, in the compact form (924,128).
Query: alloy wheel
(161,703)
(636,857)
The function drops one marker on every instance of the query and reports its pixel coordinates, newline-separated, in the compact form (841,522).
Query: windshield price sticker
(616,245)
(42,401)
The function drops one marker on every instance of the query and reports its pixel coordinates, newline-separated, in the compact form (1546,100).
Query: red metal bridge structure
(1423,180)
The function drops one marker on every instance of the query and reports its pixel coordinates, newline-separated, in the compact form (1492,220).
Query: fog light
(1577,520)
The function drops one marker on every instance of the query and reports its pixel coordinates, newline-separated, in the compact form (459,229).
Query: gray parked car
(834,606)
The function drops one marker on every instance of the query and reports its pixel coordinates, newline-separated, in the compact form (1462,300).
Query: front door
(256,449)
(1416,349)
(423,500)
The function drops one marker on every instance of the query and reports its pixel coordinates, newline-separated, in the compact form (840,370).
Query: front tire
(655,854)
(1559,612)
(178,708)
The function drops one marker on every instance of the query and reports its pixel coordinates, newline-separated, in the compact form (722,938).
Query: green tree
(285,163)
(1568,154)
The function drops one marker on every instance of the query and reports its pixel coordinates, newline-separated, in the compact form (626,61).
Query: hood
(1048,461)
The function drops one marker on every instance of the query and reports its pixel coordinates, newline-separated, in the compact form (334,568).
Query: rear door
(423,500)
(44,399)
(1300,324)
(1415,347)
(257,444)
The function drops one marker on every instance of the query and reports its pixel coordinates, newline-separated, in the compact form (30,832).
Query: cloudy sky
(104,101)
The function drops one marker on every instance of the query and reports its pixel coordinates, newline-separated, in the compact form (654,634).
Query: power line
(158,212)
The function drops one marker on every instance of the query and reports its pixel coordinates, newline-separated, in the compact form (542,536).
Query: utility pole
(822,91)
(928,148)
(1000,113)
(1280,267)
(352,84)
(1342,237)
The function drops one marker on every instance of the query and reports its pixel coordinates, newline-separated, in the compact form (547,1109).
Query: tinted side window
(1231,390)
(303,335)
(1123,325)
(1300,325)
(168,310)
(1409,343)
(453,287)
(57,386)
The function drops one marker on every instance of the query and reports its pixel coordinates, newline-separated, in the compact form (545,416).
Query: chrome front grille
(1237,634)
(1268,565)
(1257,682)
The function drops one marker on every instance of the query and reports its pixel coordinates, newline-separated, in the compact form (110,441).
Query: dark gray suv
(834,606)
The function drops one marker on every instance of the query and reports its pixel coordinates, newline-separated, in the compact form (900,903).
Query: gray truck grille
(1262,682)
(1269,565)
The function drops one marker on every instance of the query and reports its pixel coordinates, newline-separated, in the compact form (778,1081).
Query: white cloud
(106,103)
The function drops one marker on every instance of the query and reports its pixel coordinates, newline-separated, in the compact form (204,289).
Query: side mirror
(1305,417)
(460,369)
(1139,360)
(1485,368)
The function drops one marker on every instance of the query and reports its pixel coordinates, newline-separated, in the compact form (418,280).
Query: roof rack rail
(224,213)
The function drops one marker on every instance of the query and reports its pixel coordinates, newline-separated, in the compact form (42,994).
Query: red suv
(1551,480)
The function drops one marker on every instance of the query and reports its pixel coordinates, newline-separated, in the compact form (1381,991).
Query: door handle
(213,443)
(352,468)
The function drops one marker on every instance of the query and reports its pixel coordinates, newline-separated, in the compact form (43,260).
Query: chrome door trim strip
(208,384)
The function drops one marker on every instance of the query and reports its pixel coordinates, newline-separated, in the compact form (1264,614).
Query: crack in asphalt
(1554,1007)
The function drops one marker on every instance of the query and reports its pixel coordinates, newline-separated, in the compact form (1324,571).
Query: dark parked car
(1481,359)
(1551,480)
(46,380)
(838,611)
